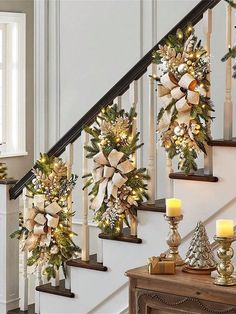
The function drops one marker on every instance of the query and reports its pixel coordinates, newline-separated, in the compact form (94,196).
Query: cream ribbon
(182,91)
(40,220)
(110,173)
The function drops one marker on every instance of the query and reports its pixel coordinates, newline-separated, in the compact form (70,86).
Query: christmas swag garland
(183,86)
(45,231)
(117,185)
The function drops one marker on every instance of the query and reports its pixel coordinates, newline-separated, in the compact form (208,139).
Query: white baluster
(37,302)
(152,71)
(169,169)
(24,283)
(38,282)
(85,227)
(207,30)
(70,160)
(55,282)
(68,277)
(133,93)
(228,105)
(100,251)
(69,163)
(118,101)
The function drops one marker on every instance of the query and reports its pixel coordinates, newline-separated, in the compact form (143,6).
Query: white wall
(100,41)
(99,45)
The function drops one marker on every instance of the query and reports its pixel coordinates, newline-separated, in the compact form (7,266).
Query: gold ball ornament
(167,144)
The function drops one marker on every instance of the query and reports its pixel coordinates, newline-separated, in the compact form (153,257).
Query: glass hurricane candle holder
(174,239)
(224,267)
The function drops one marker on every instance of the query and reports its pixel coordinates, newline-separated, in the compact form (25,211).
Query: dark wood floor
(17,311)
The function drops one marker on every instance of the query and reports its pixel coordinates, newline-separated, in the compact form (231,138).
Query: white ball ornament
(54,249)
(179,131)
(165,66)
(182,68)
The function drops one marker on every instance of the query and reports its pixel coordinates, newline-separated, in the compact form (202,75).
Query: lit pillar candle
(224,228)
(173,207)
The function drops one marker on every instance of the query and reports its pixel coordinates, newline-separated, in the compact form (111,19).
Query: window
(12,84)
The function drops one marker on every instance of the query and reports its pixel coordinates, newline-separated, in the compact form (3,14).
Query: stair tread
(222,142)
(91,264)
(124,237)
(197,176)
(159,206)
(60,290)
(31,310)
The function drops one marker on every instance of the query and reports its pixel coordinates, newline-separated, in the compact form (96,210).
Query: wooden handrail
(194,16)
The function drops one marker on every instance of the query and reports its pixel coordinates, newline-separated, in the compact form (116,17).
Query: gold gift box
(161,265)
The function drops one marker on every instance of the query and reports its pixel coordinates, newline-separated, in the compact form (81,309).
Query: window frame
(16,132)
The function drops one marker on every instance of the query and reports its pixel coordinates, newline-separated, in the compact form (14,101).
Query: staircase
(96,282)
(110,289)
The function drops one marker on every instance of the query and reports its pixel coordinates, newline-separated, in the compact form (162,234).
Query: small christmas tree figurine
(3,171)
(199,258)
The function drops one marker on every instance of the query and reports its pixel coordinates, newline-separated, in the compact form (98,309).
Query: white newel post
(152,72)
(9,256)
(207,30)
(85,227)
(228,105)
(133,93)
(24,282)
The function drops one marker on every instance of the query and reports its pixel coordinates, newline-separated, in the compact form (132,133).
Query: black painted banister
(194,16)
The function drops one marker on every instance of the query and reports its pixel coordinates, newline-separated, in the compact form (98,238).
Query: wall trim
(40,76)
(154,22)
(54,91)
(140,85)
(47,74)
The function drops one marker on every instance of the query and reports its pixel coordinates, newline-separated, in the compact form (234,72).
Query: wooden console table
(179,293)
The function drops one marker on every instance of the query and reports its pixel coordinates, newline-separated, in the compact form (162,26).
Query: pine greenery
(113,130)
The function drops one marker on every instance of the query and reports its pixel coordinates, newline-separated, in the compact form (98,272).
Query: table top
(186,284)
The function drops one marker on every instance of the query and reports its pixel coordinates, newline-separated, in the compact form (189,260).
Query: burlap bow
(39,221)
(111,174)
(182,91)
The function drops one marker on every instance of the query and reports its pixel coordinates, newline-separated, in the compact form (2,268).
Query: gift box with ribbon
(160,265)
